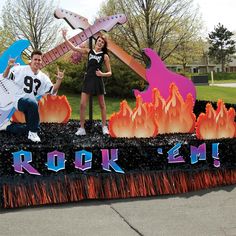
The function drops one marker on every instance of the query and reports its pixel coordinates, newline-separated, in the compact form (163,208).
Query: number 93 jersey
(30,85)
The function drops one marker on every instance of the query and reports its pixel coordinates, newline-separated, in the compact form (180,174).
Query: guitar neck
(63,48)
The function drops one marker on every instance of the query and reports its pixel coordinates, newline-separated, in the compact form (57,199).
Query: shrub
(120,84)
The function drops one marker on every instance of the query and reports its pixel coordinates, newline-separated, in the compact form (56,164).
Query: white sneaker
(80,131)
(4,126)
(105,130)
(33,136)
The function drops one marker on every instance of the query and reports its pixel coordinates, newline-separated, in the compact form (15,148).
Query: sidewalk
(208,212)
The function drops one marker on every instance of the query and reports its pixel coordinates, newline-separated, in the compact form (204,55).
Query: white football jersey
(30,85)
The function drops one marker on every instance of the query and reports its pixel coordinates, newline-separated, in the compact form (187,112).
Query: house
(231,67)
(204,65)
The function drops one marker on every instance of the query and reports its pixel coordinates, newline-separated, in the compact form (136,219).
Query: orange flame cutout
(120,121)
(137,123)
(216,124)
(176,116)
(144,121)
(147,119)
(54,109)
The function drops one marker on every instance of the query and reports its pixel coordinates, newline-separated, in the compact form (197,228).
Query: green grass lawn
(213,93)
(208,93)
(112,104)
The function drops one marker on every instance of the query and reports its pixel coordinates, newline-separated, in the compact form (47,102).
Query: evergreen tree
(222,46)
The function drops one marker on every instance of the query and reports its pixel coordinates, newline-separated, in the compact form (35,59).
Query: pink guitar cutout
(158,76)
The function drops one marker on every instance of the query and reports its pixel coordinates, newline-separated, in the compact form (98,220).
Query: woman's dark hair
(103,37)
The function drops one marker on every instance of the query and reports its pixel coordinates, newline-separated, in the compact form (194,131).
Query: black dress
(93,84)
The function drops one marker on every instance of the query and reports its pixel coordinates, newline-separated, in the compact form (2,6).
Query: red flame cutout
(137,123)
(216,124)
(144,121)
(174,115)
(55,109)
(147,119)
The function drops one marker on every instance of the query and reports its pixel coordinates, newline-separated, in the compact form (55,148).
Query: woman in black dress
(93,82)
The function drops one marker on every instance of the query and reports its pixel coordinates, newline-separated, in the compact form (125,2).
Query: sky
(212,11)
(215,11)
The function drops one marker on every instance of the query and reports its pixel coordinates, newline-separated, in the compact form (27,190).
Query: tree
(5,39)
(222,46)
(33,20)
(189,51)
(158,24)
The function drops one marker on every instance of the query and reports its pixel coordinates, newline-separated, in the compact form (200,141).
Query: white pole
(212,77)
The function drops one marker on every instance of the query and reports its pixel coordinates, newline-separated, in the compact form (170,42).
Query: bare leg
(83,105)
(102,105)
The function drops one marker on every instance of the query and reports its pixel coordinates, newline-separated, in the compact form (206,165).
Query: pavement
(206,212)
(232,85)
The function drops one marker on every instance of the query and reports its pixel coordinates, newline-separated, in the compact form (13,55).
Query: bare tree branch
(158,24)
(33,20)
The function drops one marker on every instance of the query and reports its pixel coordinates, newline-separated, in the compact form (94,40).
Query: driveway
(232,85)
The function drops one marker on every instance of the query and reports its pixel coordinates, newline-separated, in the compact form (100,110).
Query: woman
(93,82)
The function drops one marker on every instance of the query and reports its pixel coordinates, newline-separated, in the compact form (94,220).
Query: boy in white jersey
(32,83)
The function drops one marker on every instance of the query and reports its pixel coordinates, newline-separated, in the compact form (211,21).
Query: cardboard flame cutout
(144,121)
(119,122)
(55,109)
(216,124)
(139,122)
(174,115)
(149,119)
